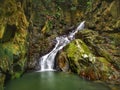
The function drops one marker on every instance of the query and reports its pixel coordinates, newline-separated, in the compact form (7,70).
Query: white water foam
(47,61)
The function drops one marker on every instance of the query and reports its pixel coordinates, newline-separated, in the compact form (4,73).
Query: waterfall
(47,61)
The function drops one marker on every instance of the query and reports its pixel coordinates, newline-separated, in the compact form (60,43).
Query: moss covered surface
(85,63)
(13,33)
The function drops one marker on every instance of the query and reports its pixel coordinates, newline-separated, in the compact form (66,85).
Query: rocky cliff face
(13,39)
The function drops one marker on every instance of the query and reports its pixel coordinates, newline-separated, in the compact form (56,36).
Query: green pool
(53,81)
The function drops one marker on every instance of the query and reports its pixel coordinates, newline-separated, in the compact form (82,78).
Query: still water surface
(53,81)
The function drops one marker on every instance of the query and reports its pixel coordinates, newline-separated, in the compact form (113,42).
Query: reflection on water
(53,81)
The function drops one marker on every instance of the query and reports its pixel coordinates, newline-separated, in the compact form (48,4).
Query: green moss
(104,63)
(78,55)
(7,62)
(2,29)
(77,49)
(2,78)
(16,75)
(114,9)
(71,51)
(13,32)
(103,60)
(83,46)
(6,58)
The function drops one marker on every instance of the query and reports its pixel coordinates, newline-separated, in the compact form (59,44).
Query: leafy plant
(89,5)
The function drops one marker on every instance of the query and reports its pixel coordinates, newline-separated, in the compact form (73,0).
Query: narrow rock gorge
(28,29)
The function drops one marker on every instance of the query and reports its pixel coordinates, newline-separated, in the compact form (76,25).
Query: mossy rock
(9,33)
(79,55)
(114,8)
(2,79)
(6,58)
(76,52)
(83,62)
(13,34)
(77,47)
(2,30)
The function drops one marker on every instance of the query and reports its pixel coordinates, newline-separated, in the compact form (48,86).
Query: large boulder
(77,57)
(74,53)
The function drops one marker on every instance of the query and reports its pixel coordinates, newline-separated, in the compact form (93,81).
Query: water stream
(47,61)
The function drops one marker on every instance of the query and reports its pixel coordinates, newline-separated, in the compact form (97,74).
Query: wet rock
(103,15)
(39,45)
(83,61)
(102,45)
(2,79)
(13,33)
(117,25)
(74,53)
(63,63)
(115,5)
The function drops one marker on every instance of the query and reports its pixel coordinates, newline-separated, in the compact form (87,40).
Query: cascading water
(47,61)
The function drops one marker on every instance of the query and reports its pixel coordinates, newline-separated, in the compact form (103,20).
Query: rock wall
(13,39)
(104,16)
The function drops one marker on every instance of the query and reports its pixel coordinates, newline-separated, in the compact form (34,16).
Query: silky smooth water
(53,81)
(47,61)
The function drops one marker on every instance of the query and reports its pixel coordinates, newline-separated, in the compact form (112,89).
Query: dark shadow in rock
(9,33)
